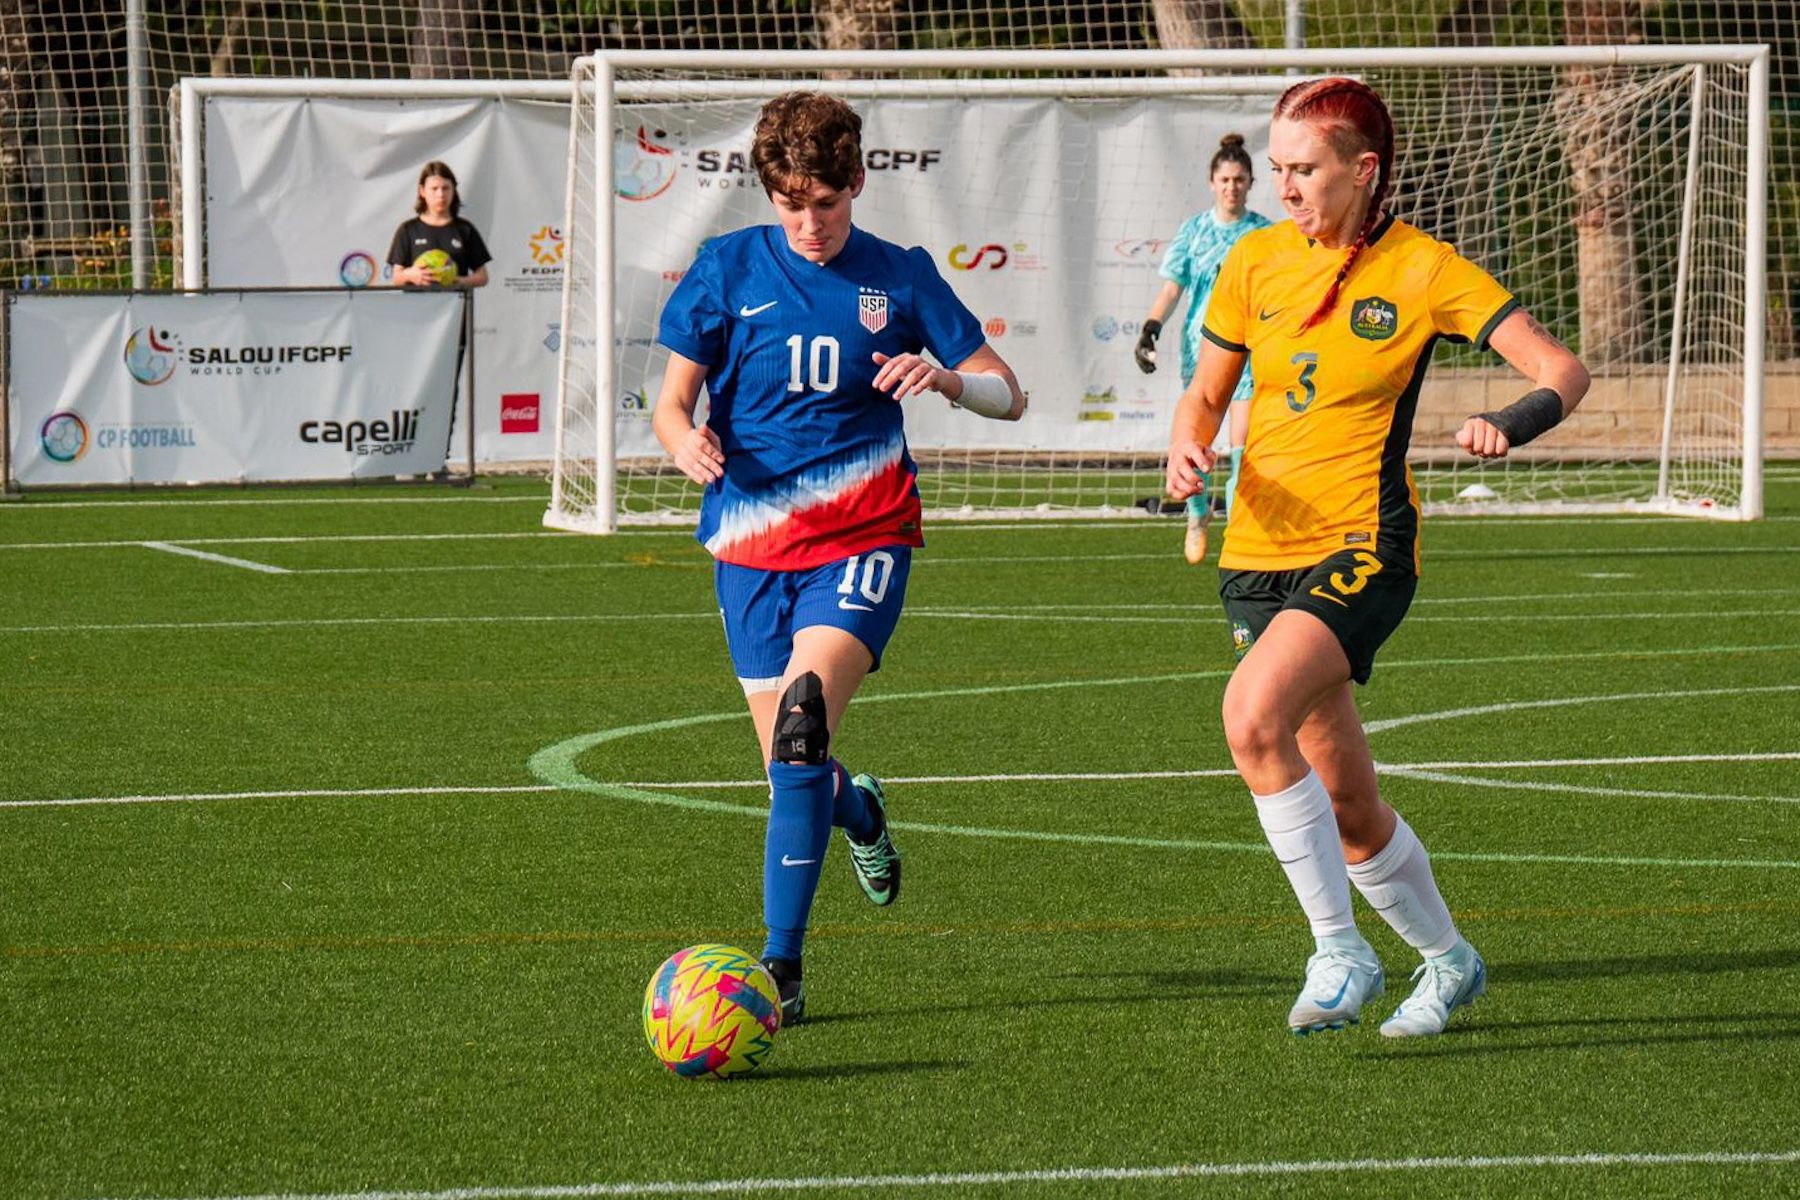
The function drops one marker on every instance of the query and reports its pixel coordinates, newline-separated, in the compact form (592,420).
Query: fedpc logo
(63,436)
(546,246)
(150,355)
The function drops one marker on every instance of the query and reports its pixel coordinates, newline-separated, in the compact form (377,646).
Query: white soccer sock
(1398,884)
(1303,832)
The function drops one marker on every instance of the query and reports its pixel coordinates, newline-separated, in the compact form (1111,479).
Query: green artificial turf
(429,977)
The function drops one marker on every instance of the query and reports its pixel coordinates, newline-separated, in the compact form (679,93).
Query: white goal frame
(595,78)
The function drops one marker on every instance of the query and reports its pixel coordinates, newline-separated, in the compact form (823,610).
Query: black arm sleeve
(1536,412)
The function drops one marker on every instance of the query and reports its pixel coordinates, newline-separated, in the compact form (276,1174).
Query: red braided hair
(1351,116)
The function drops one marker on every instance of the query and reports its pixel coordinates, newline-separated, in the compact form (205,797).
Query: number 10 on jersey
(821,364)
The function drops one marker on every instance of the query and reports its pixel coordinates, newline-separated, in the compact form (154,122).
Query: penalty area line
(1068,1175)
(226,559)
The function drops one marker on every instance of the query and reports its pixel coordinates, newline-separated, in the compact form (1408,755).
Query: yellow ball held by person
(440,266)
(711,1012)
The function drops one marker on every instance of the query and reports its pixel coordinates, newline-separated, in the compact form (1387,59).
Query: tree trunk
(17,97)
(440,44)
(226,49)
(1597,144)
(1199,25)
(856,25)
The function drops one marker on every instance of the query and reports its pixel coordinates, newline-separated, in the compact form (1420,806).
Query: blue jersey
(1193,262)
(816,465)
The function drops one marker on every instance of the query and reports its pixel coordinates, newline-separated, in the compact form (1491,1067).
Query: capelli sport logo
(394,434)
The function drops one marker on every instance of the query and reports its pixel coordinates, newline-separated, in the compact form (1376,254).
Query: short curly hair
(803,137)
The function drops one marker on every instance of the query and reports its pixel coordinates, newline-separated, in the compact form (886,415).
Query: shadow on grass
(1598,1033)
(1176,985)
(1647,964)
(853,1070)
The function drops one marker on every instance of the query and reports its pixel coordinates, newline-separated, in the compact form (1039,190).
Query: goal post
(1620,192)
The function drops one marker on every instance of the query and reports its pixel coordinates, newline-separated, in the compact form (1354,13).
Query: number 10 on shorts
(866,576)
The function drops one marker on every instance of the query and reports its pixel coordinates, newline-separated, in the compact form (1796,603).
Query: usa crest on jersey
(873,310)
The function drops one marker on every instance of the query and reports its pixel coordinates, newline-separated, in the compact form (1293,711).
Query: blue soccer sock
(850,808)
(800,807)
(1237,459)
(1196,503)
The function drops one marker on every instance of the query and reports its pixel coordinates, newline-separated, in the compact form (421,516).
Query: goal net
(1619,193)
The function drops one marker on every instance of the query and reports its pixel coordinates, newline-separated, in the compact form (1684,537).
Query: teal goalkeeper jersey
(1193,262)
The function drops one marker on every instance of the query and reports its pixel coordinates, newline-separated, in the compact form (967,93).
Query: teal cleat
(1339,981)
(876,861)
(1447,982)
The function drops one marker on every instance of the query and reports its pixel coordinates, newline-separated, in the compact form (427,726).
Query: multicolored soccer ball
(711,1012)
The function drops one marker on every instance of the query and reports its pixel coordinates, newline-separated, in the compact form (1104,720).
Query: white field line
(308,794)
(192,502)
(330,622)
(1231,772)
(1209,602)
(1014,777)
(1081,1177)
(920,613)
(246,564)
(298,540)
(1481,618)
(1575,789)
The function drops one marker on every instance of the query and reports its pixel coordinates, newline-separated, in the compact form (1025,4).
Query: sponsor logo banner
(519,412)
(231,386)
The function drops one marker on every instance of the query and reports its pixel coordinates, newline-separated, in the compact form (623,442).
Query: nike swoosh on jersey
(746,311)
(1263,314)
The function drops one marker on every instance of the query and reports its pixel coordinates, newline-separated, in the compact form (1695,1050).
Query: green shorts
(1360,597)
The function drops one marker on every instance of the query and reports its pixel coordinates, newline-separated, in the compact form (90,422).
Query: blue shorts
(862,594)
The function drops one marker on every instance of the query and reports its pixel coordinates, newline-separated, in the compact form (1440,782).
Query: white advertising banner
(1049,218)
(308,193)
(229,387)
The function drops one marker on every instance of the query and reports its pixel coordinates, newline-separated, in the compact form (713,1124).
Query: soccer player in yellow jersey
(1338,309)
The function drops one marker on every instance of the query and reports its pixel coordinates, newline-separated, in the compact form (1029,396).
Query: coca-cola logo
(519,412)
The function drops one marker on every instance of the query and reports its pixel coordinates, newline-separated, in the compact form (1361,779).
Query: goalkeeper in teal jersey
(1192,264)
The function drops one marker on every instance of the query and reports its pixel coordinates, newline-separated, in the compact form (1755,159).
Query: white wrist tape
(985,395)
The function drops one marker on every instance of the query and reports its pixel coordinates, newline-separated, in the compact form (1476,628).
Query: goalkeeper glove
(1146,346)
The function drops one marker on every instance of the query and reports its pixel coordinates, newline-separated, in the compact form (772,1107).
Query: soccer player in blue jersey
(1192,264)
(807,335)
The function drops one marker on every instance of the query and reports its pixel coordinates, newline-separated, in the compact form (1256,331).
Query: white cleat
(1339,982)
(1446,983)
(1193,547)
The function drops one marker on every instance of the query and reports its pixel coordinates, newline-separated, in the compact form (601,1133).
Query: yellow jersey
(1331,415)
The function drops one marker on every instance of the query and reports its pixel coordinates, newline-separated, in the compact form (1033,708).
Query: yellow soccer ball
(711,1012)
(440,266)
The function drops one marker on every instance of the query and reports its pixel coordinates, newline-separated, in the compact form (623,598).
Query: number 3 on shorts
(1366,566)
(875,570)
